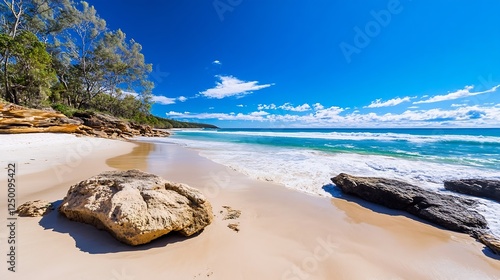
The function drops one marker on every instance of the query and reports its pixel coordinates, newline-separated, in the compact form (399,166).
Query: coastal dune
(283,234)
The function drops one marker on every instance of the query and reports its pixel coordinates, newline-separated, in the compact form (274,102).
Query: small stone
(35,208)
(235,227)
(231,213)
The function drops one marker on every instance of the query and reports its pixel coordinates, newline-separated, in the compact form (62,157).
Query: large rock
(476,187)
(18,119)
(137,207)
(445,210)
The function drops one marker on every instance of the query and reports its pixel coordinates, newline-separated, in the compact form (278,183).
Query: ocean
(306,159)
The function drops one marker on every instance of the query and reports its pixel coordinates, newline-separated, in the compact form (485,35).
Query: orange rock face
(18,119)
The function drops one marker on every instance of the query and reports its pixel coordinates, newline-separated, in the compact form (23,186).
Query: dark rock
(444,210)
(476,187)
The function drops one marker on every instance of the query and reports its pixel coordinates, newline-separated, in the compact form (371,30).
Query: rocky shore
(450,212)
(476,187)
(18,119)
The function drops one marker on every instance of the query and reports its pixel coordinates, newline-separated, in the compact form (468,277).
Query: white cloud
(255,116)
(287,106)
(240,105)
(259,113)
(211,108)
(465,92)
(318,106)
(163,100)
(301,108)
(217,62)
(231,86)
(134,94)
(271,106)
(467,116)
(413,107)
(391,102)
(174,114)
(158,98)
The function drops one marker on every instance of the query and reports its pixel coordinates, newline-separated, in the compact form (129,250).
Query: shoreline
(284,234)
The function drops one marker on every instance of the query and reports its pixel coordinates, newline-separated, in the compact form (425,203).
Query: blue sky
(323,63)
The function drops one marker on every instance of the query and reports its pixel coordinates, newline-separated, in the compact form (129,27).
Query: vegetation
(59,53)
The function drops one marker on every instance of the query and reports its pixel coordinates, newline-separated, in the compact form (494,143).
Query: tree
(27,17)
(91,61)
(31,74)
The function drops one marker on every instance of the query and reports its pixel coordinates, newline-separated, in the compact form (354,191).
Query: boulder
(35,208)
(448,211)
(476,187)
(137,207)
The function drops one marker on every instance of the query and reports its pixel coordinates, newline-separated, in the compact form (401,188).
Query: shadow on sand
(337,193)
(94,241)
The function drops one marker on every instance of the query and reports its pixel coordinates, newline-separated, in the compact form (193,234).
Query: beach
(284,234)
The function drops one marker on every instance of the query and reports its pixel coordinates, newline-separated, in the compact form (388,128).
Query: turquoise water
(471,147)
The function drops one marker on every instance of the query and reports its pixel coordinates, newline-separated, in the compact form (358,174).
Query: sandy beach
(284,234)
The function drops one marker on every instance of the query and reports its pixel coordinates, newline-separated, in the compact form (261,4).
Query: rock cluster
(18,119)
(137,207)
(476,187)
(448,211)
(111,127)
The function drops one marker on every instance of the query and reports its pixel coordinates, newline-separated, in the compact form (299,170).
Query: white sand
(40,151)
(284,234)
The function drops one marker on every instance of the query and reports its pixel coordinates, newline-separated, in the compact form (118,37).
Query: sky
(322,63)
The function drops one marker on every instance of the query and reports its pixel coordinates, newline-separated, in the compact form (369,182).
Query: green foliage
(65,109)
(158,122)
(29,76)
